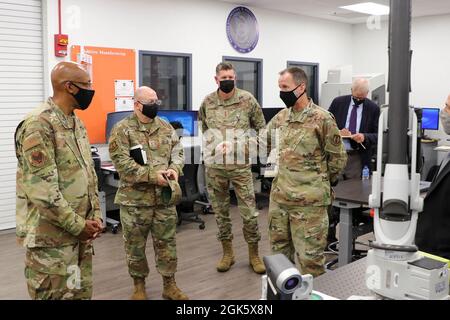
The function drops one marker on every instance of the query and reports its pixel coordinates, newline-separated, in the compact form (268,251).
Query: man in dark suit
(357,118)
(433,225)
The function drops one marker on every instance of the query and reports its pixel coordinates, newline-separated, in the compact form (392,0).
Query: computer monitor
(430,118)
(112,118)
(187,119)
(269,113)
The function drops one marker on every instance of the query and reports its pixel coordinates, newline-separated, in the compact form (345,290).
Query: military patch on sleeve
(38,159)
(113,146)
(336,140)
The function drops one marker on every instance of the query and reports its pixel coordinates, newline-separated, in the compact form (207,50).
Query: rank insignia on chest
(153,145)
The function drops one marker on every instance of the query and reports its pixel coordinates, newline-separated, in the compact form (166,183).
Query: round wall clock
(242,29)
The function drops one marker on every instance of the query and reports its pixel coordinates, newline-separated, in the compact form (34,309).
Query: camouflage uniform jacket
(56,180)
(310,155)
(163,150)
(237,116)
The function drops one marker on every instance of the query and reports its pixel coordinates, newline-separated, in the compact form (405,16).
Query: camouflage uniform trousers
(218,181)
(137,223)
(61,273)
(300,232)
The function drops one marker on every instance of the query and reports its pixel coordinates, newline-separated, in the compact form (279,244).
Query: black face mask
(358,101)
(149,110)
(226,86)
(83,97)
(289,98)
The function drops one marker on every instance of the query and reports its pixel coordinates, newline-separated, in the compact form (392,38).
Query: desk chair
(191,195)
(333,213)
(362,224)
(262,198)
(102,192)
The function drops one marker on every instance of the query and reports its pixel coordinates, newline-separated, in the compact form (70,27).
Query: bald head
(72,87)
(68,71)
(145,95)
(360,88)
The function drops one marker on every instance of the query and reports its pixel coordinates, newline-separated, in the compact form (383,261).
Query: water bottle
(366,173)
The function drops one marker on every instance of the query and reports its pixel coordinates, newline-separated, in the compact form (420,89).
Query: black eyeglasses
(151,103)
(86,84)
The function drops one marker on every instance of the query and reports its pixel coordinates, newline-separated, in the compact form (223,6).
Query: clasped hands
(92,230)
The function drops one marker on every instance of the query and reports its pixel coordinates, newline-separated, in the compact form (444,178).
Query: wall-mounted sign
(124,88)
(124,104)
(106,66)
(242,29)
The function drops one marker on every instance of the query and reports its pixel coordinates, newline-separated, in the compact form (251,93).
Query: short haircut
(224,66)
(298,74)
(361,84)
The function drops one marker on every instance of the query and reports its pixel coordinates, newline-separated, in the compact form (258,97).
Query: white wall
(430,76)
(198,27)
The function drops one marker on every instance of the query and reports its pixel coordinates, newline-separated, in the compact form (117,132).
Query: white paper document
(124,88)
(124,104)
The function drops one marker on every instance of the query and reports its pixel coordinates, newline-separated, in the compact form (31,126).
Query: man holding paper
(357,119)
(148,156)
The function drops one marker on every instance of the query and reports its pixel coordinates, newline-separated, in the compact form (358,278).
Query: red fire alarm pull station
(61,42)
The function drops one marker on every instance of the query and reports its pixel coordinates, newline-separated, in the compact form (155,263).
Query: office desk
(110,173)
(351,195)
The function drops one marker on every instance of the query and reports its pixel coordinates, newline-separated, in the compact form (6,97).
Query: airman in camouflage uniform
(310,157)
(58,212)
(230,120)
(139,196)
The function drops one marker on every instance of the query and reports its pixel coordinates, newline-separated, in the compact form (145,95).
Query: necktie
(353,117)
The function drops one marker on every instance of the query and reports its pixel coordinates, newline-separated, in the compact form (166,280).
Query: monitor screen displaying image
(187,119)
(430,118)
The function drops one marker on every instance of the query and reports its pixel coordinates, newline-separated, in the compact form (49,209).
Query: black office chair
(362,224)
(262,198)
(113,223)
(191,195)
